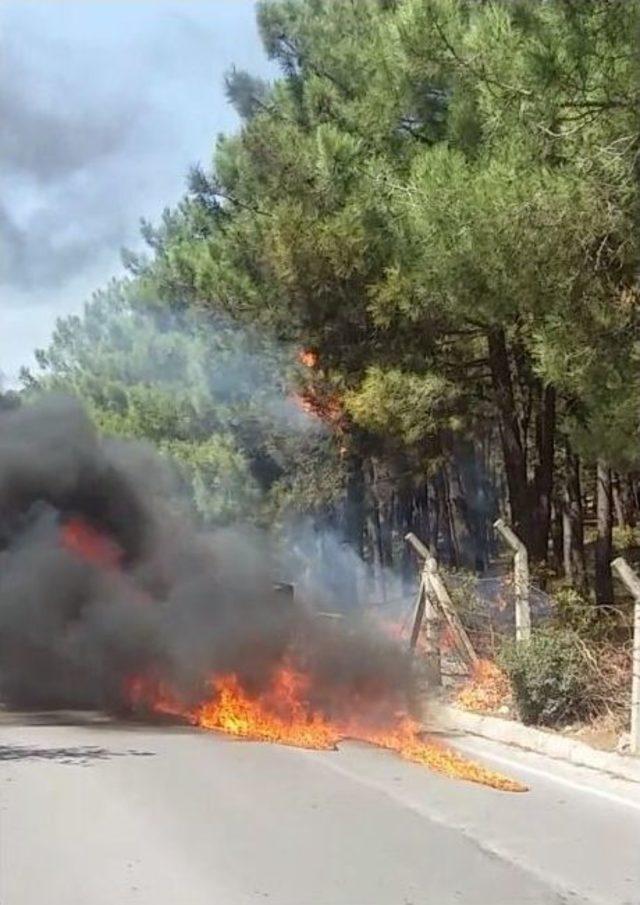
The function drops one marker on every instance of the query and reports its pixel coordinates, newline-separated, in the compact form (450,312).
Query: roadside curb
(556,746)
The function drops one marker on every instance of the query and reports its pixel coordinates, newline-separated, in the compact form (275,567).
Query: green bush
(573,613)
(549,677)
(625,537)
(593,624)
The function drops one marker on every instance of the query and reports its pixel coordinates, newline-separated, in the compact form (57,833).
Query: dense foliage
(548,677)
(215,399)
(437,201)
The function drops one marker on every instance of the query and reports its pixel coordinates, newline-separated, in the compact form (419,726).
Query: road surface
(95,813)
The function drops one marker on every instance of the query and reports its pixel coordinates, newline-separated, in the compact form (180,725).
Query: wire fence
(602,636)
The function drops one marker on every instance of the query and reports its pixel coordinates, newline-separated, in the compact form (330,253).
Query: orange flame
(325,406)
(303,402)
(308,358)
(282,713)
(80,538)
(318,399)
(487,690)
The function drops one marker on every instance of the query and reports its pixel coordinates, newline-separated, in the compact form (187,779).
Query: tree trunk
(603,577)
(455,559)
(382,491)
(629,497)
(471,505)
(423,514)
(461,527)
(573,526)
(557,535)
(406,520)
(449,540)
(543,481)
(379,520)
(354,512)
(618,503)
(434,519)
(510,435)
(377,586)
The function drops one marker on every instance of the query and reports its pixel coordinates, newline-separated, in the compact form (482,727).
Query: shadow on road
(82,755)
(91,719)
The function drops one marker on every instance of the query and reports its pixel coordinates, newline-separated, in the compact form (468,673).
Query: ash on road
(94,813)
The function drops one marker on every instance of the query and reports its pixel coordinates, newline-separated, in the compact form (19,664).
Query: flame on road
(282,714)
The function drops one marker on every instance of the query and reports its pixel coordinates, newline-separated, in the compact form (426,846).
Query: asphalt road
(93,813)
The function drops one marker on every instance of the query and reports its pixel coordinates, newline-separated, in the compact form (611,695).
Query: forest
(404,295)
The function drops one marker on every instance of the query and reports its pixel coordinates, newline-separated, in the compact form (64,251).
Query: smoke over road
(102,580)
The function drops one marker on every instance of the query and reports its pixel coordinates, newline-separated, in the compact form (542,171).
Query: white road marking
(546,774)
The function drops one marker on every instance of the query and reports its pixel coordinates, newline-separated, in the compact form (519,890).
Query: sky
(104,106)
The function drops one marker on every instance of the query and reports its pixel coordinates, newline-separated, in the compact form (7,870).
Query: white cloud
(104,108)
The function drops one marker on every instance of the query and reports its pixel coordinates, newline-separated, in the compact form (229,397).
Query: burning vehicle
(110,599)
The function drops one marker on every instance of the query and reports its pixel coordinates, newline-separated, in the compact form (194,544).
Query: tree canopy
(437,203)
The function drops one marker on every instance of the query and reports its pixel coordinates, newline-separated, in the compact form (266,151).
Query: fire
(303,401)
(405,740)
(318,398)
(283,713)
(308,358)
(86,542)
(487,690)
(325,406)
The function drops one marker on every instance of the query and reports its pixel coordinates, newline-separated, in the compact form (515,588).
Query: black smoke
(181,606)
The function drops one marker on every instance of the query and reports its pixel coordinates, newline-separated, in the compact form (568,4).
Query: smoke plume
(101,580)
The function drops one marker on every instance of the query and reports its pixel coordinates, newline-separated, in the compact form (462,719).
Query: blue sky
(104,107)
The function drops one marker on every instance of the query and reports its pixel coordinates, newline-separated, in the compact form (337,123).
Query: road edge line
(511,733)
